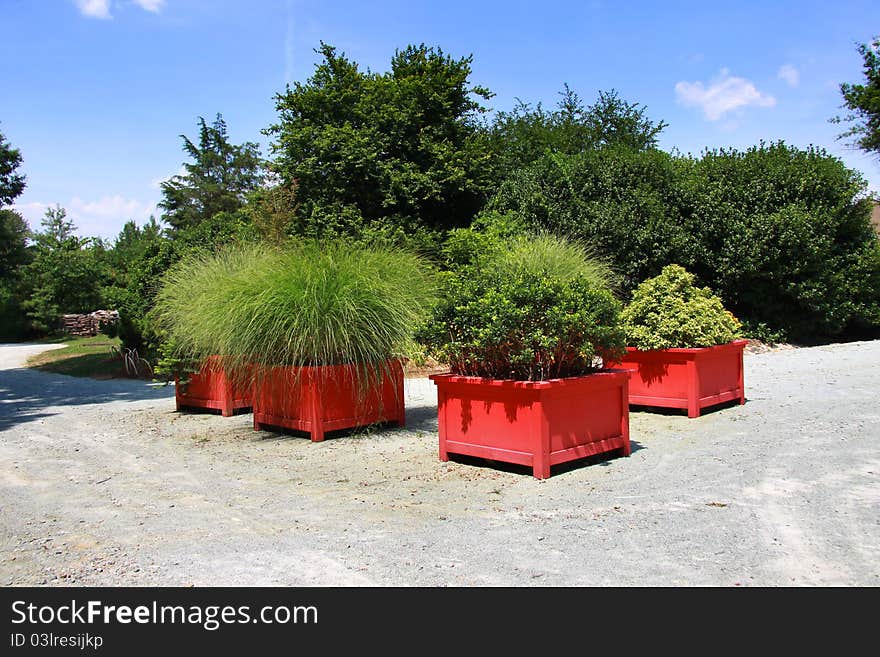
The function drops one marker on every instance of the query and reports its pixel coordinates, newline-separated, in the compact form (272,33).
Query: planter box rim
(689,350)
(514,383)
(276,366)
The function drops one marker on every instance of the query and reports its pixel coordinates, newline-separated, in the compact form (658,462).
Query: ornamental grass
(309,304)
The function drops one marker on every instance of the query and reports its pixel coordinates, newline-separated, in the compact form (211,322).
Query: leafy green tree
(626,203)
(400,148)
(14,256)
(11,183)
(781,234)
(219,178)
(131,244)
(65,273)
(148,255)
(14,252)
(14,235)
(863,102)
(612,121)
(522,136)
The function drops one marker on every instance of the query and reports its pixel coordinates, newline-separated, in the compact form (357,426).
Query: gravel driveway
(103,483)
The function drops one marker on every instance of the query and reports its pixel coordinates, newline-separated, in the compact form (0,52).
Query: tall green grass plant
(309,304)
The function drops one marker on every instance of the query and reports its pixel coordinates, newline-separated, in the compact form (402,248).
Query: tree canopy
(11,183)
(523,135)
(399,148)
(863,102)
(65,273)
(218,179)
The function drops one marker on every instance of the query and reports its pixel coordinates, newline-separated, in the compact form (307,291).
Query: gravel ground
(103,483)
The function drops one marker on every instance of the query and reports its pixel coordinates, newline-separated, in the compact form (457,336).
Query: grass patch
(89,357)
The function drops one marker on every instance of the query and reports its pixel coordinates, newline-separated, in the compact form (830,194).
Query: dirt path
(103,483)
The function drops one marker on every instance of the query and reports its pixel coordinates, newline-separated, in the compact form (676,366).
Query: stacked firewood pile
(90,324)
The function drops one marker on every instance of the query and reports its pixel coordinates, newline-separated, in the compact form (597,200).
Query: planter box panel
(519,457)
(578,419)
(211,388)
(656,377)
(720,375)
(330,398)
(533,423)
(690,379)
(491,413)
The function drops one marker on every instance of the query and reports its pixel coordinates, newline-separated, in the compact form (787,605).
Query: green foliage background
(411,158)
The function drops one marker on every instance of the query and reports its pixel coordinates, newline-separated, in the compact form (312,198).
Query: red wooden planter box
(686,378)
(212,388)
(327,398)
(536,423)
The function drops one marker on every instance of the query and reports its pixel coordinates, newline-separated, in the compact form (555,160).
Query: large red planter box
(212,388)
(536,423)
(327,398)
(686,378)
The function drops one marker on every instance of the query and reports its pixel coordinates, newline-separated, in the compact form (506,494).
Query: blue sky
(95,93)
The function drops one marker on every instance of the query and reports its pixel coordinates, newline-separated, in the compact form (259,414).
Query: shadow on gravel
(661,410)
(25,394)
(601,460)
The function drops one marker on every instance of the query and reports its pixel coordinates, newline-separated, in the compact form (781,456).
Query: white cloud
(94,8)
(151,5)
(103,217)
(156,183)
(107,207)
(32,212)
(723,94)
(790,74)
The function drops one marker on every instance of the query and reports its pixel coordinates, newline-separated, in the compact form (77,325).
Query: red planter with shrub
(691,379)
(534,423)
(328,398)
(211,387)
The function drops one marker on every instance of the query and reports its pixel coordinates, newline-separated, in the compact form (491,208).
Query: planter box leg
(257,425)
(317,433)
(317,428)
(626,450)
(441,423)
(541,458)
(693,391)
(401,415)
(541,468)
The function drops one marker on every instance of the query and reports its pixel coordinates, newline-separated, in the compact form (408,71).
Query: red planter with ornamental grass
(319,328)
(212,388)
(328,398)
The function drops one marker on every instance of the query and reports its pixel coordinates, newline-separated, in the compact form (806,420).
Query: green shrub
(507,316)
(626,203)
(669,311)
(308,304)
(781,233)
